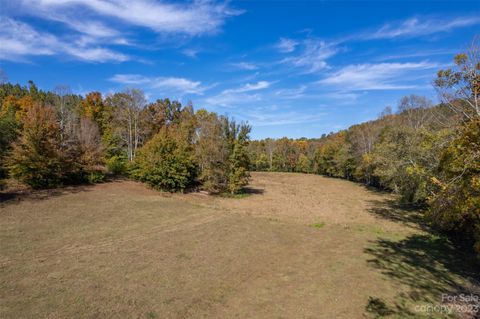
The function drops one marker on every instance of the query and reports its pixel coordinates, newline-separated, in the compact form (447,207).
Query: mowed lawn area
(296,246)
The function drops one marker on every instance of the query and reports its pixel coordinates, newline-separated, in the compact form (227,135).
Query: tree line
(54,138)
(427,154)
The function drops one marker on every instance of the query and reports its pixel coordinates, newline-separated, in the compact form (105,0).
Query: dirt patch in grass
(119,249)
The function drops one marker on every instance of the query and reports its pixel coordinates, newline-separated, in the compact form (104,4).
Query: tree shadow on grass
(14,196)
(389,209)
(244,193)
(253,190)
(425,265)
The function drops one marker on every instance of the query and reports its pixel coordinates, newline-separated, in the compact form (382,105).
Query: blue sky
(289,68)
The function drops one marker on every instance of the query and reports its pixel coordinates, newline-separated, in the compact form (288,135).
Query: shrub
(165,162)
(95,176)
(117,165)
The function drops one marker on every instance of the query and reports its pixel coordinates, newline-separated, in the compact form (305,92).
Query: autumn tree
(36,158)
(303,164)
(333,157)
(404,161)
(455,206)
(93,108)
(459,87)
(84,153)
(126,109)
(362,138)
(415,111)
(211,152)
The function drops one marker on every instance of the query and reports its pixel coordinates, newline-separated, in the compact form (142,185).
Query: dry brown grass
(300,246)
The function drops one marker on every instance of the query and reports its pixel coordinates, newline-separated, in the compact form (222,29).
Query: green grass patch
(318,225)
(238,195)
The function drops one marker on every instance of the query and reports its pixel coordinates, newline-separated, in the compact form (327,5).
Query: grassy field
(298,246)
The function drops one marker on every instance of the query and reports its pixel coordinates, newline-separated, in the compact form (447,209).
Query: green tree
(165,162)
(8,129)
(405,159)
(303,164)
(262,162)
(211,152)
(238,160)
(333,157)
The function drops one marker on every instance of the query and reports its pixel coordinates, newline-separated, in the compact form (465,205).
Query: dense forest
(428,154)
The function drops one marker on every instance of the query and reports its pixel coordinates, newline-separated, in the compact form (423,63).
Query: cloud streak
(419,26)
(192,18)
(251,87)
(286,45)
(244,66)
(381,76)
(168,84)
(312,55)
(19,40)
(237,96)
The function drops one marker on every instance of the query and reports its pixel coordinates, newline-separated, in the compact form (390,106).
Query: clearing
(298,246)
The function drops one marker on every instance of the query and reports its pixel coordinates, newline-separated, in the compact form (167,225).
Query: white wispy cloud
(19,40)
(341,97)
(312,55)
(292,93)
(191,53)
(244,66)
(381,76)
(286,45)
(260,85)
(238,96)
(230,99)
(193,18)
(420,26)
(167,84)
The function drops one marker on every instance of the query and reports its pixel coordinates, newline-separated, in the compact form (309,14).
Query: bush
(117,165)
(95,177)
(165,163)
